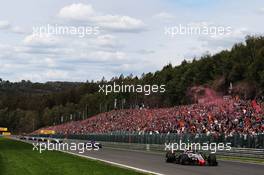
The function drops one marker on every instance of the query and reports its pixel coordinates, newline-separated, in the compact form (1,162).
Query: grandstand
(228,117)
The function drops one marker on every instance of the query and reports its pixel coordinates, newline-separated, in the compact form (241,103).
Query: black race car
(191,158)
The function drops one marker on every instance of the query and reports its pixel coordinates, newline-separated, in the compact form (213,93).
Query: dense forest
(27,106)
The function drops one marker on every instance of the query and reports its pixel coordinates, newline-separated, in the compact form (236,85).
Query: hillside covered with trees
(27,106)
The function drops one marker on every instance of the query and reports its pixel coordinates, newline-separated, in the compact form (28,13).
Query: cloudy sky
(125,36)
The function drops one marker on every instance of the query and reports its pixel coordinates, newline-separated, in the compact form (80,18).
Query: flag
(256,106)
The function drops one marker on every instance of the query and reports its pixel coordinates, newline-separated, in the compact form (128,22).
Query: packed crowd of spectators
(229,117)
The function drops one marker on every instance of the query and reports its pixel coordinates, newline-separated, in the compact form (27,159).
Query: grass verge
(17,158)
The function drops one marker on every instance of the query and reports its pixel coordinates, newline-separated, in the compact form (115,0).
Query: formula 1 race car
(191,158)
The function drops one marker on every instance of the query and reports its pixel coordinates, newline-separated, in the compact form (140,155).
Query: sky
(123,36)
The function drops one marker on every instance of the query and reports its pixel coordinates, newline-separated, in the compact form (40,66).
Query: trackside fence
(239,141)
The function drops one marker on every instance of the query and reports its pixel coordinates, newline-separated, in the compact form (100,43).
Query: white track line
(114,163)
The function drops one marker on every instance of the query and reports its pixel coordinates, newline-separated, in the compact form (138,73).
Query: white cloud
(145,51)
(18,30)
(85,12)
(120,23)
(5,51)
(50,62)
(54,74)
(43,40)
(107,41)
(104,56)
(133,67)
(41,61)
(164,16)
(77,12)
(113,52)
(4,25)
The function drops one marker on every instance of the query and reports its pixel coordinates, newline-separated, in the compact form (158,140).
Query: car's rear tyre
(203,155)
(212,160)
(183,159)
(170,157)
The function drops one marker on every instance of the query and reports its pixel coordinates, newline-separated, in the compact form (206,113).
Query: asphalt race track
(156,163)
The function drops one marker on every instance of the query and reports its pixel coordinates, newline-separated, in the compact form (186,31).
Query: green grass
(17,158)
